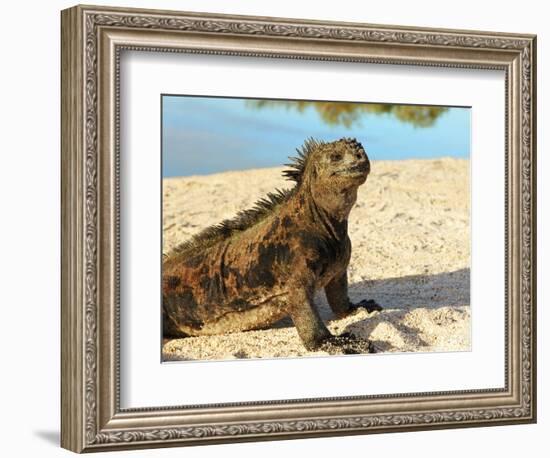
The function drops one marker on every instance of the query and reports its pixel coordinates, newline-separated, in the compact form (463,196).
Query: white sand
(410,232)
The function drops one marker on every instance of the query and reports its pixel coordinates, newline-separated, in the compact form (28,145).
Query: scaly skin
(266,264)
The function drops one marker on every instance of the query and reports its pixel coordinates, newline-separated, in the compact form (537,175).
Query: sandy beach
(410,233)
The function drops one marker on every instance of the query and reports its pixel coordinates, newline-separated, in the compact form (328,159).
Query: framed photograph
(278,228)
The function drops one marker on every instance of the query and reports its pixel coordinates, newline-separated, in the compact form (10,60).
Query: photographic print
(299,228)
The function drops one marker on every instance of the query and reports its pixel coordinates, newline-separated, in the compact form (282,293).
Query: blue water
(202,135)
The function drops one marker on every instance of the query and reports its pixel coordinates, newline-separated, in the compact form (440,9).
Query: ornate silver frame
(92,39)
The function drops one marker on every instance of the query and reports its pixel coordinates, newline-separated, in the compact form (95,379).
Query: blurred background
(204,135)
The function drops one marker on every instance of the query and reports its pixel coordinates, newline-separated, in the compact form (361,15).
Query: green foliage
(348,113)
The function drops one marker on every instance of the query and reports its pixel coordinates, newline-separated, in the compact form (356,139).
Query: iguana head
(342,163)
(331,173)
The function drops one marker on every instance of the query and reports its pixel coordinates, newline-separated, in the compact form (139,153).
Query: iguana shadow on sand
(266,263)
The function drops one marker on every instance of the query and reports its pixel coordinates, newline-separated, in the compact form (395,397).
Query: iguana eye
(335,157)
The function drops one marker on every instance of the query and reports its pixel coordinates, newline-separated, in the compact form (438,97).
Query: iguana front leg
(307,320)
(337,296)
(313,332)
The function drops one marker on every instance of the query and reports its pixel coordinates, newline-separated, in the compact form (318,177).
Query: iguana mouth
(356,170)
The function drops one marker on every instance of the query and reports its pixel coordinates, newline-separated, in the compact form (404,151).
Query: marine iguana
(266,263)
